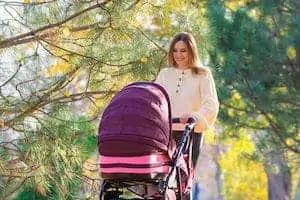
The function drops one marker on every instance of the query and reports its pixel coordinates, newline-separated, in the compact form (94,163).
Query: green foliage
(55,154)
(76,66)
(244,177)
(254,51)
(30,194)
(254,63)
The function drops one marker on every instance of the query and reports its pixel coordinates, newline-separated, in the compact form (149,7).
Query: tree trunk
(279,176)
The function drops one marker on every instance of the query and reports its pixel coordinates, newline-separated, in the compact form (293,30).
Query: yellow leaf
(291,52)
(230,112)
(283,31)
(289,141)
(61,67)
(144,59)
(298,136)
(210,136)
(66,31)
(280,90)
(67,93)
(232,5)
(236,96)
(138,20)
(26,1)
(255,13)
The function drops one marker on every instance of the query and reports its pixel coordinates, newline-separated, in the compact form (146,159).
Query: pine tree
(256,55)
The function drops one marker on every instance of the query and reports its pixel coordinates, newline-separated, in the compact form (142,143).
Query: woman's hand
(184,118)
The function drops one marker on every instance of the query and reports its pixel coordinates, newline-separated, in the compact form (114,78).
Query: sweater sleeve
(160,78)
(209,106)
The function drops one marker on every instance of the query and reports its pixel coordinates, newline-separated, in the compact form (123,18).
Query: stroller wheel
(112,195)
(107,194)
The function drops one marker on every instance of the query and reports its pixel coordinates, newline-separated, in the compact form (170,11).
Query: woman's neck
(182,67)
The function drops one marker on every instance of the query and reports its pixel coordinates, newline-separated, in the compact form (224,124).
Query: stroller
(137,153)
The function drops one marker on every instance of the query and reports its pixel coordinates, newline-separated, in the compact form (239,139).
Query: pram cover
(135,130)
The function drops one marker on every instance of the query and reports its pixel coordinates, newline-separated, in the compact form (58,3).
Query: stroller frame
(111,189)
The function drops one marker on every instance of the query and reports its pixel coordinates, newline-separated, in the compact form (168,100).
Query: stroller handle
(183,141)
(190,123)
(175,120)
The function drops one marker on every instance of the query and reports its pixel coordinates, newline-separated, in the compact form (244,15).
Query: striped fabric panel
(154,163)
(162,169)
(134,165)
(146,159)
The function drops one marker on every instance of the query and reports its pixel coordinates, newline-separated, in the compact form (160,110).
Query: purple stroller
(136,150)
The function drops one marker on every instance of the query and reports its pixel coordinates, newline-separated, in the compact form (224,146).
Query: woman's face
(181,54)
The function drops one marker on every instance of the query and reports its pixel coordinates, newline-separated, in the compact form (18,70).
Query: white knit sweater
(190,93)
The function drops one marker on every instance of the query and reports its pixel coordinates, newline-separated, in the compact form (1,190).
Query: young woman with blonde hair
(191,89)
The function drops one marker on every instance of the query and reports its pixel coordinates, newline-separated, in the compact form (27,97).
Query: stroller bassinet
(136,147)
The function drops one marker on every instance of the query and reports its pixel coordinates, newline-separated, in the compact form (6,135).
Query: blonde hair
(194,62)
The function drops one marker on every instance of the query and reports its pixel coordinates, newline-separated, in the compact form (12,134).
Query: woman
(191,89)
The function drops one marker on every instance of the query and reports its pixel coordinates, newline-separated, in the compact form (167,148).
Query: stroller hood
(137,121)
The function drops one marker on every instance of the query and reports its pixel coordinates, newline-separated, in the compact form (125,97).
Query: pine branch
(16,3)
(31,35)
(13,76)
(276,129)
